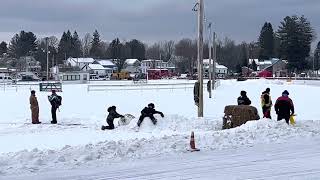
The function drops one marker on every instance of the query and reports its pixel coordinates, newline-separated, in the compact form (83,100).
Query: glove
(122,116)
(162,115)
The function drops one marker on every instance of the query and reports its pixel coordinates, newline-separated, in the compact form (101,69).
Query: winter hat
(53,91)
(285,93)
(151,105)
(33,92)
(268,90)
(111,108)
(243,93)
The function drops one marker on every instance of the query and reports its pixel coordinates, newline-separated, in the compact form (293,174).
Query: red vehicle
(154,74)
(265,74)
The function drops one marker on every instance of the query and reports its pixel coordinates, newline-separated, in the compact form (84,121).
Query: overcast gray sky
(149,20)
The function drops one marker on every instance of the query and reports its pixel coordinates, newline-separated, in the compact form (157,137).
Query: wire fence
(145,86)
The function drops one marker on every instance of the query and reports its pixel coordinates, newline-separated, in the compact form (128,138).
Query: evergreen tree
(22,44)
(96,50)
(76,50)
(296,35)
(254,65)
(114,52)
(65,47)
(137,48)
(317,57)
(266,42)
(3,48)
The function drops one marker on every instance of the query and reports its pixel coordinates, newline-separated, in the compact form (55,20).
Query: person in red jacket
(284,107)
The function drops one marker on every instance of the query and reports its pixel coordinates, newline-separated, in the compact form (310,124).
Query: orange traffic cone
(192,143)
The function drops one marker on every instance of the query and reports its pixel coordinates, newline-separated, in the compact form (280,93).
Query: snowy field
(259,148)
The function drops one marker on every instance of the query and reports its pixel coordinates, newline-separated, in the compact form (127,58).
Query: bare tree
(186,50)
(53,42)
(86,44)
(167,50)
(153,52)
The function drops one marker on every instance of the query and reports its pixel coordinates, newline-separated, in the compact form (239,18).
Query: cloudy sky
(149,20)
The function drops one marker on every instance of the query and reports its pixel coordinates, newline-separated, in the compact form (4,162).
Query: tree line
(292,42)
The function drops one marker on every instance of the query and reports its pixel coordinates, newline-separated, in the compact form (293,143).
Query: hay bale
(238,115)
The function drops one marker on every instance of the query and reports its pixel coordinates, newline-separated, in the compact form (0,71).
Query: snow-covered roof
(206,62)
(265,62)
(251,60)
(131,61)
(221,67)
(96,67)
(106,62)
(81,60)
(151,60)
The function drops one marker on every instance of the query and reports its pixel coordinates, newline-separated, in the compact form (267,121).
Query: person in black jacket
(196,93)
(284,107)
(55,102)
(243,99)
(111,116)
(149,112)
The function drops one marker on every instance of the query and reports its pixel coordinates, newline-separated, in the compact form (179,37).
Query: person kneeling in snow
(149,112)
(283,107)
(111,116)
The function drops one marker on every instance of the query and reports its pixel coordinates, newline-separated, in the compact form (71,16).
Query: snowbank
(106,152)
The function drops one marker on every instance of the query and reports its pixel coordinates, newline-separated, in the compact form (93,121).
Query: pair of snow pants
(35,115)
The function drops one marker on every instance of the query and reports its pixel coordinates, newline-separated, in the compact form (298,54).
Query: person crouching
(111,116)
(149,112)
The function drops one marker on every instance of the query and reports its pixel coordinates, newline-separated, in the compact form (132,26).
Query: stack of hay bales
(235,116)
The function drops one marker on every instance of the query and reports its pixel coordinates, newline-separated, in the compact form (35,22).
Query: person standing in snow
(149,112)
(111,116)
(55,102)
(196,93)
(34,106)
(243,99)
(284,107)
(266,103)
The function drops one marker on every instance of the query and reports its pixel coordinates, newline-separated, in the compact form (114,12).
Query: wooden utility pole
(210,62)
(214,61)
(47,49)
(200,56)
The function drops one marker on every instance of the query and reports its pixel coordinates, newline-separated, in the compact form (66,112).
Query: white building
(221,70)
(133,66)
(99,70)
(81,63)
(153,64)
(107,63)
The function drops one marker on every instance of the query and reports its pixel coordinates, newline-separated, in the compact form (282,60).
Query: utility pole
(47,49)
(214,60)
(200,56)
(210,62)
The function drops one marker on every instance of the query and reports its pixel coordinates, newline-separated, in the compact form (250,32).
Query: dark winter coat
(55,100)
(150,111)
(112,115)
(283,107)
(244,100)
(196,92)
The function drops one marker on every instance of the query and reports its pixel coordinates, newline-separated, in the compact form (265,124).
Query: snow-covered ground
(28,150)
